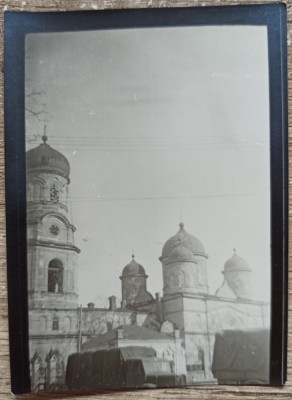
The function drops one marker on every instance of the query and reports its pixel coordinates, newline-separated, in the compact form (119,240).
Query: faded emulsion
(148,206)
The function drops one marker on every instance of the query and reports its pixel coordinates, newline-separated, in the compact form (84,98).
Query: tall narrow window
(55,277)
(55,324)
(54,194)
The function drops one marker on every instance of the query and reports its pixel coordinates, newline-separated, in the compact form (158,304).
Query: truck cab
(151,373)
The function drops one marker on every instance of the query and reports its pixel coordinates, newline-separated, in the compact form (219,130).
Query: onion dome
(182,246)
(45,158)
(180,253)
(236,263)
(133,269)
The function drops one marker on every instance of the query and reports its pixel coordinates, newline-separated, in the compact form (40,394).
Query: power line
(81,199)
(130,143)
(131,137)
(144,141)
(128,148)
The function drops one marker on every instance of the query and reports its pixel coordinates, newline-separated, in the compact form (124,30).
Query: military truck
(241,357)
(126,367)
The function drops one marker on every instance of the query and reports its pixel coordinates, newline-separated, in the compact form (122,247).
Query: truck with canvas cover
(127,367)
(241,357)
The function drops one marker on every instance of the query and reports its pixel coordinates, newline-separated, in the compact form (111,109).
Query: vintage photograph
(148,207)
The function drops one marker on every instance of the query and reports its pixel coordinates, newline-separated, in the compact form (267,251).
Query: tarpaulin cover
(241,355)
(103,368)
(73,364)
(108,365)
(85,368)
(136,352)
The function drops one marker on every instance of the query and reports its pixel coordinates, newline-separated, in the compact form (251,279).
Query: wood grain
(214,392)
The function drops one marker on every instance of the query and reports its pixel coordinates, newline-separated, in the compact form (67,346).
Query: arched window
(181,279)
(54,193)
(55,324)
(55,276)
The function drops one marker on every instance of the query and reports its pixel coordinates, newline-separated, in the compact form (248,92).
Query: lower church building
(181,325)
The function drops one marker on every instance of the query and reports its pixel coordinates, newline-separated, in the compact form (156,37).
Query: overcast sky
(158,124)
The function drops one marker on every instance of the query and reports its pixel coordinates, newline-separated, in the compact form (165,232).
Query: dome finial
(45,137)
(234,250)
(133,255)
(181,224)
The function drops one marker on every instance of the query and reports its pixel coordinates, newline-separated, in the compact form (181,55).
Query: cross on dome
(45,137)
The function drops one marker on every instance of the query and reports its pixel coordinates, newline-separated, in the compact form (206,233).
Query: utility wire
(109,198)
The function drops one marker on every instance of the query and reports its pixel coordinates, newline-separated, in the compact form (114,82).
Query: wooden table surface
(212,392)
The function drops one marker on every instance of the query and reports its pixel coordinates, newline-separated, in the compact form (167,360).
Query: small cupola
(133,281)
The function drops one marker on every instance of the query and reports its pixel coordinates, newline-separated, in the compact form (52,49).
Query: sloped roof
(130,332)
(133,332)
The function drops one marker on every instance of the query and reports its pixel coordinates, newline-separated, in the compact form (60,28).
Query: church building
(185,318)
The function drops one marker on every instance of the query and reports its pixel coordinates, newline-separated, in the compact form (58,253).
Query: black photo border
(16,26)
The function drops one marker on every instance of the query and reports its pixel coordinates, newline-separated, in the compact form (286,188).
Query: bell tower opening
(55,276)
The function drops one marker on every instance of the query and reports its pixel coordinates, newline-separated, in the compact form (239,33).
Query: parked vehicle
(241,357)
(127,367)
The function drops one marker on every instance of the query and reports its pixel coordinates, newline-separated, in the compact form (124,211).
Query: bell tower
(52,254)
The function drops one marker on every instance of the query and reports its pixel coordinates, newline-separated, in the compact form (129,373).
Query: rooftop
(130,332)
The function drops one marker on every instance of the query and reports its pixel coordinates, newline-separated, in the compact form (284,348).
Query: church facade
(186,312)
